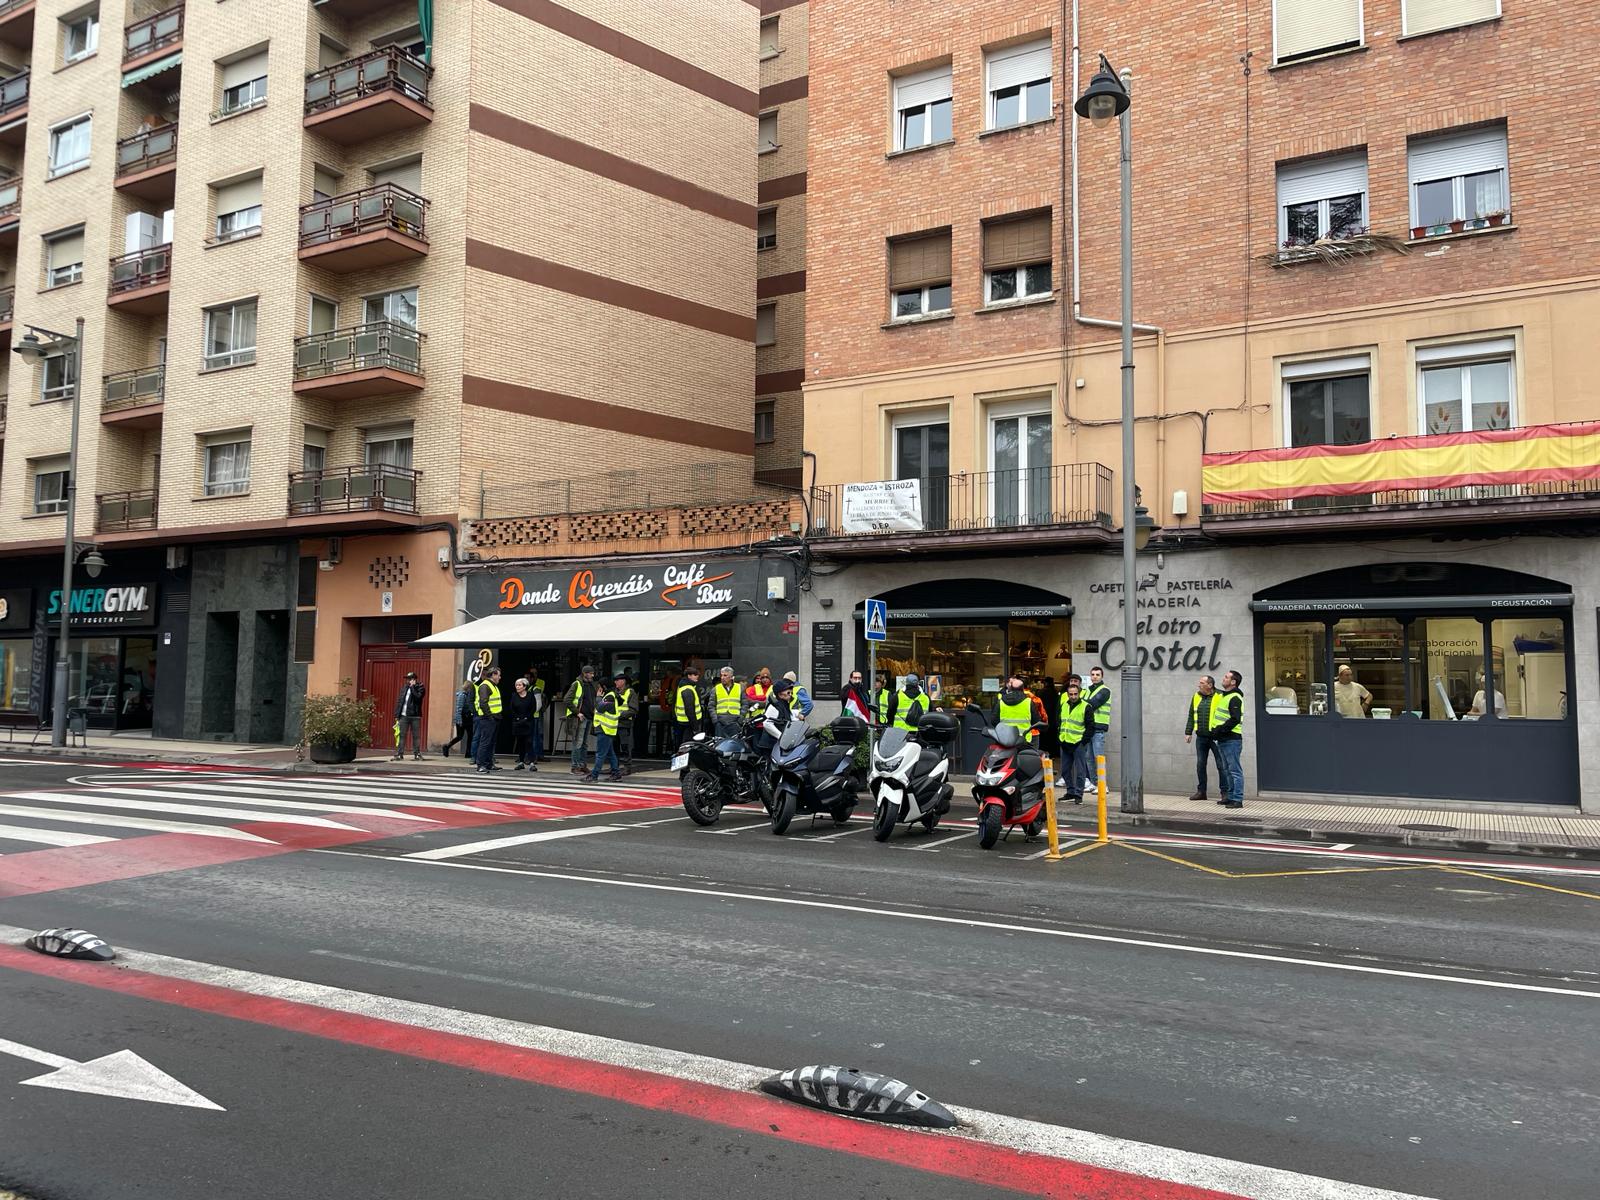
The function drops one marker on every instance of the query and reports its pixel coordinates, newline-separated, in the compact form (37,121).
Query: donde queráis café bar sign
(105,607)
(612,589)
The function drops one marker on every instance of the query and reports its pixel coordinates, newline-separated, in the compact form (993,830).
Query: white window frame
(66,366)
(926,299)
(994,58)
(1473,150)
(57,466)
(242,97)
(1407,31)
(920,93)
(389,435)
(1321,181)
(57,138)
(1354,363)
(1461,355)
(91,43)
(766,145)
(239,224)
(1022,293)
(767,241)
(1331,47)
(387,298)
(771,47)
(61,274)
(772,335)
(236,482)
(315,298)
(1021,411)
(767,409)
(235,355)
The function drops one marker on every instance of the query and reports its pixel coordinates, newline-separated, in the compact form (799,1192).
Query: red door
(382,676)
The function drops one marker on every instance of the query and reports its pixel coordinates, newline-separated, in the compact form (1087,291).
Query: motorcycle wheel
(989,826)
(783,811)
(883,820)
(930,822)
(841,813)
(763,790)
(702,798)
(1033,828)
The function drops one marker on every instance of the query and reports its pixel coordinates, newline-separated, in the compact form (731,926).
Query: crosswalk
(273,809)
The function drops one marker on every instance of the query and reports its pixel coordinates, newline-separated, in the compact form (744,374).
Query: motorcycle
(1008,786)
(714,771)
(810,777)
(910,775)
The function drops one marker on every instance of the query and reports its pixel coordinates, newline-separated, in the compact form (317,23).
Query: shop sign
(887,506)
(105,606)
(827,659)
(1166,642)
(16,608)
(692,585)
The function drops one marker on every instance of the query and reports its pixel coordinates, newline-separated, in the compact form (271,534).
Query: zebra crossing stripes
(118,821)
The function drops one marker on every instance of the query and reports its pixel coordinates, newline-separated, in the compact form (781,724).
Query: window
(407,175)
(766,421)
(325,184)
(1323,198)
(766,229)
(16,674)
(922,109)
(322,315)
(314,449)
(1326,403)
(1466,388)
(227,464)
(58,377)
(63,257)
(230,333)
(399,307)
(1019,84)
(244,84)
(1529,660)
(919,275)
(766,324)
(389,446)
(1301,28)
(1016,258)
(50,476)
(69,146)
(1293,655)
(769,36)
(1459,177)
(409,39)
(922,452)
(1020,457)
(767,133)
(1428,16)
(80,36)
(238,209)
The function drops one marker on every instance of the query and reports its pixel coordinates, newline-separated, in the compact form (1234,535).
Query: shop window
(959,664)
(1372,647)
(1530,663)
(1443,662)
(16,674)
(1294,657)
(1040,650)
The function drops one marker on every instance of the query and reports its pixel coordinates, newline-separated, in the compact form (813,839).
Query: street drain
(1425,828)
(854,1093)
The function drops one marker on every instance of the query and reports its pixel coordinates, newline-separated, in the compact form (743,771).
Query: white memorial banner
(888,506)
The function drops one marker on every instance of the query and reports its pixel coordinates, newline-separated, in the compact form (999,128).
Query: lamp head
(93,563)
(30,349)
(1143,526)
(1105,97)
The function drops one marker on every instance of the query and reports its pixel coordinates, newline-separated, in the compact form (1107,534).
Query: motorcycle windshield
(793,736)
(891,743)
(1007,736)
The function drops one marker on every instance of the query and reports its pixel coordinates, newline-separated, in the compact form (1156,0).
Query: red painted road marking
(957,1158)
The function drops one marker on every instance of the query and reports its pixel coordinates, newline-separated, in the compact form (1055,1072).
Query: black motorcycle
(714,771)
(810,776)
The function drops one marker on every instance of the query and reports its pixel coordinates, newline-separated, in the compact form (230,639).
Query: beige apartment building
(349,272)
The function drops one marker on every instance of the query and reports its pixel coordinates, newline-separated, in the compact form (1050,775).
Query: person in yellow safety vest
(688,707)
(755,696)
(1197,731)
(1021,708)
(628,716)
(725,703)
(607,720)
(909,704)
(1099,700)
(880,700)
(1227,731)
(1081,772)
(486,707)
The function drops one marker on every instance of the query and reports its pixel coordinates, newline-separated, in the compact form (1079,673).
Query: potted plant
(1418,232)
(333,726)
(1458,225)
(1497,217)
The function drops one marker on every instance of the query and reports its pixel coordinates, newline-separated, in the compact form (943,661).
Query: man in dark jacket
(580,716)
(1227,731)
(408,716)
(524,709)
(487,705)
(689,706)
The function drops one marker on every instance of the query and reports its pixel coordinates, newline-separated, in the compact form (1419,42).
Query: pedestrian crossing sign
(877,620)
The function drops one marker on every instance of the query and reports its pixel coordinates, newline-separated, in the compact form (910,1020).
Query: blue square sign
(877,620)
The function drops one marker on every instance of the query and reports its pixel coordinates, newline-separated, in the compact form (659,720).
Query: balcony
(376,359)
(1537,473)
(125,512)
(16,22)
(370,228)
(14,109)
(141,282)
(147,163)
(8,303)
(10,209)
(1068,504)
(152,39)
(375,493)
(134,398)
(369,96)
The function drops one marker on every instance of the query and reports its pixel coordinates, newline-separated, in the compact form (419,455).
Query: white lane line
(998,926)
(960,837)
(97,800)
(353,801)
(520,839)
(1238,1179)
(523,984)
(201,791)
(833,837)
(451,797)
(49,837)
(113,821)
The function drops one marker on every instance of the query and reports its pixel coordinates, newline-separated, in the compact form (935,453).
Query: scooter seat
(829,758)
(928,760)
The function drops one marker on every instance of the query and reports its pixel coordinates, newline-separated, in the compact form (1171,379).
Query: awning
(572,629)
(1047,612)
(140,74)
(1408,604)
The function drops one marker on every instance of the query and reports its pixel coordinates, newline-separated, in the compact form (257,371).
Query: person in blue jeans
(1099,698)
(487,706)
(1227,733)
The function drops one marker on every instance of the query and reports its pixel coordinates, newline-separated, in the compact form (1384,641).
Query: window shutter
(305,630)
(766,324)
(66,249)
(1306,26)
(1019,64)
(1017,241)
(1457,154)
(925,87)
(919,261)
(243,70)
(226,438)
(235,196)
(1425,16)
(1321,179)
(407,175)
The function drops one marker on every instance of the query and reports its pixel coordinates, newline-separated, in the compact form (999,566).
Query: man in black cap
(408,718)
(689,706)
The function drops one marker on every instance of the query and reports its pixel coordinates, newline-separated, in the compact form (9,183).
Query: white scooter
(910,775)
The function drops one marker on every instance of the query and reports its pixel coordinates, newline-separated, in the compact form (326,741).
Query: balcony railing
(386,207)
(14,93)
(389,69)
(123,512)
(10,199)
(8,303)
(134,389)
(1072,494)
(153,34)
(141,269)
(372,488)
(3,400)
(10,6)
(377,346)
(145,151)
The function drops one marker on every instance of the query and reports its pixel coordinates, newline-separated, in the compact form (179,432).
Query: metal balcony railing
(388,206)
(389,69)
(145,151)
(1029,498)
(122,512)
(8,303)
(153,33)
(14,93)
(141,269)
(7,6)
(378,345)
(3,401)
(133,389)
(10,198)
(375,487)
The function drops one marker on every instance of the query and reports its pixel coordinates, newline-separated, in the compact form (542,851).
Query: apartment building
(344,270)
(1366,427)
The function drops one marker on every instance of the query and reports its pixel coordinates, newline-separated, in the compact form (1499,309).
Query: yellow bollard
(1050,807)
(1100,795)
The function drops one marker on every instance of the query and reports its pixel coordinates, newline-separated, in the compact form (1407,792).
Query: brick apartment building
(1366,424)
(349,272)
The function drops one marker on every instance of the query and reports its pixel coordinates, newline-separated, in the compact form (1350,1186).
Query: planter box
(333,752)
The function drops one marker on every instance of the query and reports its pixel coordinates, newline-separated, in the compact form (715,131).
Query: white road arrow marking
(123,1075)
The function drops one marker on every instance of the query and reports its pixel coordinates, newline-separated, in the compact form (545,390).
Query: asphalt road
(1383,1025)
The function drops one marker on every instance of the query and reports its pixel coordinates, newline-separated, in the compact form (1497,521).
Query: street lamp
(34,351)
(1108,96)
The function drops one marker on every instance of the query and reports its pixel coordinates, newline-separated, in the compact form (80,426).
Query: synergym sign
(103,606)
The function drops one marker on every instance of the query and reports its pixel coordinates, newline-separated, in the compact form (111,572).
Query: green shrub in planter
(333,726)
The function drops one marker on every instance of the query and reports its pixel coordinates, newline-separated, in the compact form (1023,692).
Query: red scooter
(1008,786)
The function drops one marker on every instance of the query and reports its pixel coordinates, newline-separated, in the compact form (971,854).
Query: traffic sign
(877,620)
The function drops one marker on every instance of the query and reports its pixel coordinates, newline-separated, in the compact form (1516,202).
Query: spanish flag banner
(1533,455)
